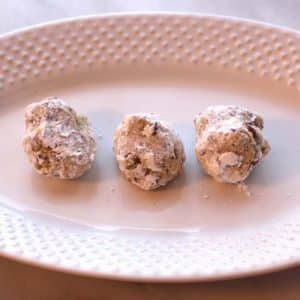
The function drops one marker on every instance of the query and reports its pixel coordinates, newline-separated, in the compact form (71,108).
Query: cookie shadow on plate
(61,191)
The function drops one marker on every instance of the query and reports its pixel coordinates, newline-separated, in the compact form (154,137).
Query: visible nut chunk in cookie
(58,142)
(149,153)
(229,142)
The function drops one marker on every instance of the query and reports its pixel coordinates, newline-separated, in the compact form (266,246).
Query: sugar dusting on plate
(243,188)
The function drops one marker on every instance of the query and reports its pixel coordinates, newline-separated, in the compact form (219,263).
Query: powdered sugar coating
(58,142)
(149,153)
(229,142)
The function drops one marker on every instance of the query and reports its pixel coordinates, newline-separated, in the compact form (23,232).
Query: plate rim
(151,278)
(147,13)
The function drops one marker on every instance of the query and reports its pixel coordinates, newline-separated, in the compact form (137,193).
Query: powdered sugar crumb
(243,188)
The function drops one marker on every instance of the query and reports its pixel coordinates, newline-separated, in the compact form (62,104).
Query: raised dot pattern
(123,256)
(97,42)
(196,41)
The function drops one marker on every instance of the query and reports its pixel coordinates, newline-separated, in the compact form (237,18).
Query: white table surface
(19,281)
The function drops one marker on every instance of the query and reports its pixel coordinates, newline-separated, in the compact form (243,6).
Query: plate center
(193,201)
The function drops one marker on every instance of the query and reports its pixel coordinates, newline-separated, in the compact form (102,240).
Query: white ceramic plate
(175,65)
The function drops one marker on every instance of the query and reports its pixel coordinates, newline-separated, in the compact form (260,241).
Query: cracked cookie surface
(229,142)
(59,143)
(149,153)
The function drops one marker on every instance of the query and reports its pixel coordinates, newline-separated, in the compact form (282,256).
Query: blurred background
(17,13)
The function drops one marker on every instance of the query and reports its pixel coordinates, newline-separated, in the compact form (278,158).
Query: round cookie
(229,142)
(149,153)
(58,142)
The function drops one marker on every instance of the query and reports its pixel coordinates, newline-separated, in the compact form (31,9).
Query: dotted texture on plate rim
(107,41)
(144,257)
